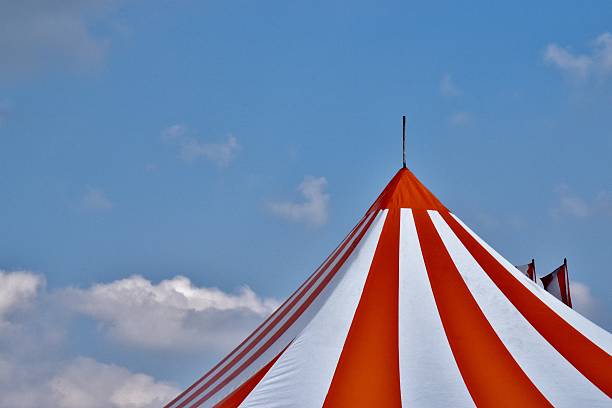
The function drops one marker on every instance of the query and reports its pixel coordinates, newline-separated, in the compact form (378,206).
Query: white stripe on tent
(590,330)
(302,375)
(274,348)
(555,377)
(429,375)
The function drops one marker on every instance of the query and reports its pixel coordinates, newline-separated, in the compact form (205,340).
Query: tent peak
(406,191)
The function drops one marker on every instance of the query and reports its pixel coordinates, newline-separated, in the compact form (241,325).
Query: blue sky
(235,143)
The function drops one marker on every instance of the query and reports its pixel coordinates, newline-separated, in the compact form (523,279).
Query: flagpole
(404,140)
(534,270)
(569,297)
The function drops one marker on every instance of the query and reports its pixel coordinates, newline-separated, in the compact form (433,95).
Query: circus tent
(414,309)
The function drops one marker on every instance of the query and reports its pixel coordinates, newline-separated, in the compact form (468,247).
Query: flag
(528,270)
(557,283)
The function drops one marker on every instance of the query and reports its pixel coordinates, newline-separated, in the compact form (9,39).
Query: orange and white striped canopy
(414,309)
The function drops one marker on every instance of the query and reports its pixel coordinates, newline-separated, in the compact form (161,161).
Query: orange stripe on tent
(239,394)
(367,374)
(593,362)
(284,327)
(491,375)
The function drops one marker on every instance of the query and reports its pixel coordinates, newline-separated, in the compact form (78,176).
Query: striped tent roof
(414,309)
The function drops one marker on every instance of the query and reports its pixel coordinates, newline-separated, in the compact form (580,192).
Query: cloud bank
(171,315)
(79,383)
(41,367)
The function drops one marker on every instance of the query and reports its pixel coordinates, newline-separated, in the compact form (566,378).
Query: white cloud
(17,289)
(78,383)
(597,62)
(87,383)
(571,204)
(191,149)
(36,33)
(32,375)
(313,210)
(448,87)
(218,153)
(173,314)
(604,53)
(95,199)
(563,59)
(173,132)
(460,119)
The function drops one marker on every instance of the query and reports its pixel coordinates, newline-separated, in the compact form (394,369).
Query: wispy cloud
(493,222)
(448,87)
(572,205)
(219,153)
(312,210)
(460,119)
(587,304)
(151,167)
(191,149)
(581,66)
(35,34)
(582,298)
(95,199)
(174,132)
